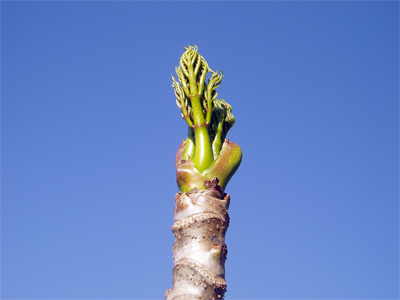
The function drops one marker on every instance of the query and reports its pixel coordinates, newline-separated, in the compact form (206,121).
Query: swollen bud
(224,167)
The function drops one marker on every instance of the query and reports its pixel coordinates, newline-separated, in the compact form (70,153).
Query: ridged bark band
(199,252)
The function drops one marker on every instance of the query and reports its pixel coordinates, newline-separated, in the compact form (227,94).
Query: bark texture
(200,223)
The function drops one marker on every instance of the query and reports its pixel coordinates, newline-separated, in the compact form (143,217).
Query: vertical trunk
(200,223)
(204,166)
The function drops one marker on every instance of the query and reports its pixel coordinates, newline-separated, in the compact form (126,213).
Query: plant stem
(205,163)
(189,146)
(203,156)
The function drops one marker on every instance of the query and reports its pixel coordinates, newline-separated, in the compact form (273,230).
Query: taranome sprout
(205,162)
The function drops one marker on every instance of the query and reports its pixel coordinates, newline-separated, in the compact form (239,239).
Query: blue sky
(90,129)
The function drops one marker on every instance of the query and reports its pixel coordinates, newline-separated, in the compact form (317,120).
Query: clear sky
(90,129)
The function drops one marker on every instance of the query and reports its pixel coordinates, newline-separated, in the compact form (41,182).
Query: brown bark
(200,223)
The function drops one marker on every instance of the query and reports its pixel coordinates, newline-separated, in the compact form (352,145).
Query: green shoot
(208,119)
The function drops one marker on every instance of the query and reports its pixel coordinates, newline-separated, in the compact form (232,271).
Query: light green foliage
(222,121)
(208,119)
